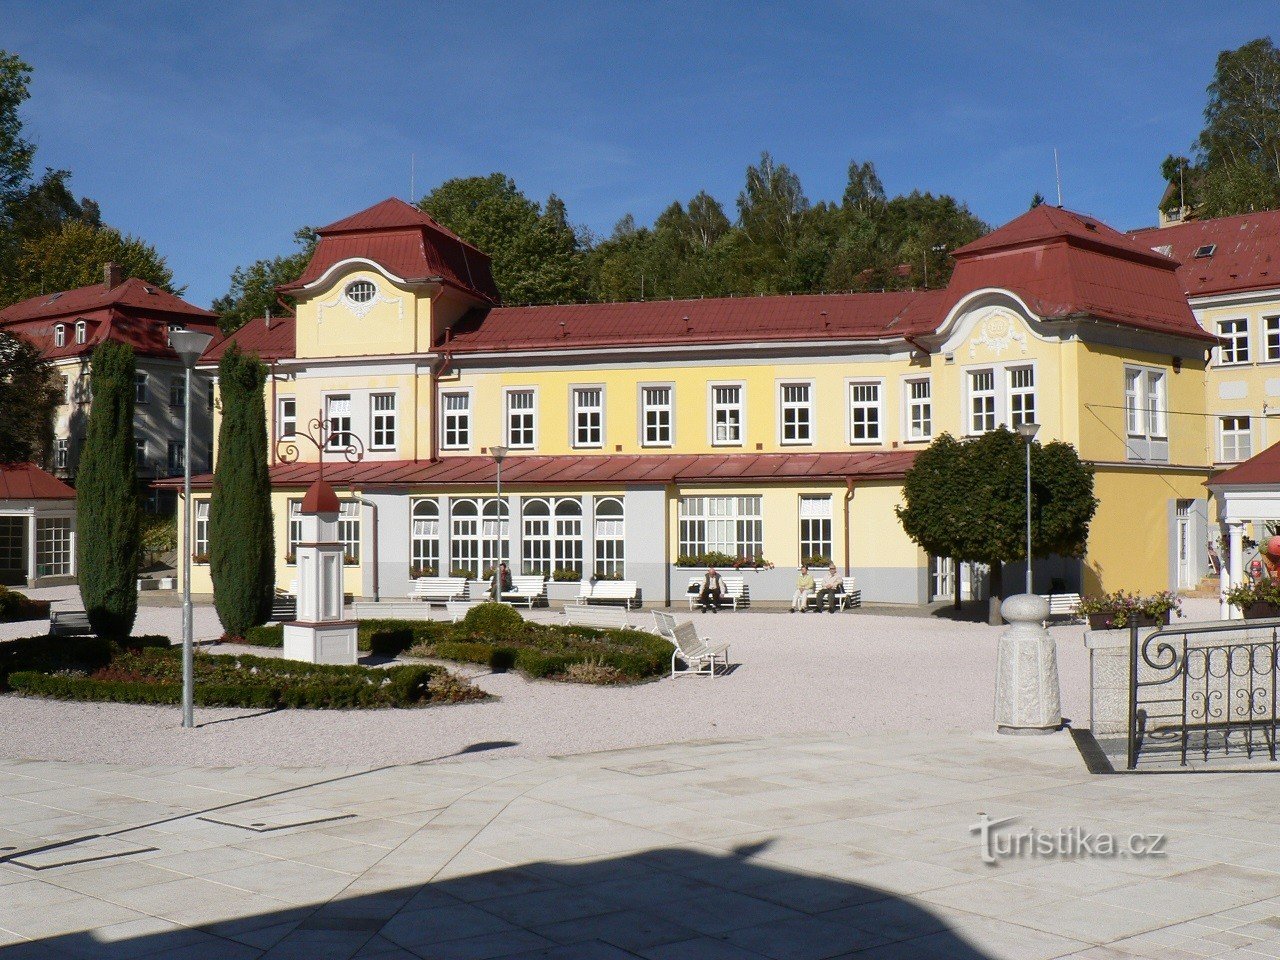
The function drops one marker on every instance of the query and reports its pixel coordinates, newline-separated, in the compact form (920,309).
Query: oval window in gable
(360,291)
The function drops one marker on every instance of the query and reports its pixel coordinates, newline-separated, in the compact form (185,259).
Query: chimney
(112,275)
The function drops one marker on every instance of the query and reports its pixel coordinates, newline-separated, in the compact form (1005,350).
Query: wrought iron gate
(1200,691)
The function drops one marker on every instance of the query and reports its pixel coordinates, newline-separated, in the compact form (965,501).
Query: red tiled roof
(1064,264)
(1263,469)
(407,243)
(849,316)
(597,470)
(1247,254)
(131,293)
(269,343)
(26,481)
(133,312)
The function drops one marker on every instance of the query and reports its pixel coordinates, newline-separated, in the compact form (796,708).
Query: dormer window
(82,330)
(60,335)
(1207,250)
(360,291)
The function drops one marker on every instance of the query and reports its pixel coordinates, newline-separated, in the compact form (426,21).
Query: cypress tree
(107,537)
(241,534)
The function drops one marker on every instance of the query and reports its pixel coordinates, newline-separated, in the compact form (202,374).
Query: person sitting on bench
(804,587)
(503,577)
(827,590)
(712,591)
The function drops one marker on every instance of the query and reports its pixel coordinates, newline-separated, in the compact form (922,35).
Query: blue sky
(213,130)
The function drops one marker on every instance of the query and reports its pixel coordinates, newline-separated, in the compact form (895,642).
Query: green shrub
(390,643)
(16,606)
(269,635)
(565,575)
(494,621)
(501,659)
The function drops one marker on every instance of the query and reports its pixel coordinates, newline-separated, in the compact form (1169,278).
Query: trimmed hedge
(48,654)
(15,606)
(154,676)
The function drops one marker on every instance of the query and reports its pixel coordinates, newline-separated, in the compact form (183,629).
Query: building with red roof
(638,438)
(37,527)
(68,325)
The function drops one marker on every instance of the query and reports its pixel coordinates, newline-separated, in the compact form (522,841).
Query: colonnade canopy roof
(26,481)
(599,470)
(1260,470)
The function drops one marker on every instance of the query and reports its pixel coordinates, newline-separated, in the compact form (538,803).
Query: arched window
(609,537)
(475,528)
(568,535)
(82,330)
(425,539)
(60,335)
(537,537)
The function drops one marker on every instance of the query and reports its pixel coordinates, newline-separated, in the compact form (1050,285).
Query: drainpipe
(848,499)
(273,414)
(373,544)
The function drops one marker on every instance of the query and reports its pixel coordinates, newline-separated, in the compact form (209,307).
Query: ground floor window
(478,531)
(732,525)
(53,547)
(294,535)
(609,537)
(425,544)
(815,530)
(13,543)
(552,535)
(349,530)
(200,533)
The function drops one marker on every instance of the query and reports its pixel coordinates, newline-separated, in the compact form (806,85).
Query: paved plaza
(819,801)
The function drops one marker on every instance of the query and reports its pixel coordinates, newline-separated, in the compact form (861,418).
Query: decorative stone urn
(1027,695)
(320,635)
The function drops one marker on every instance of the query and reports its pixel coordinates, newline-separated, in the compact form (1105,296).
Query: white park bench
(597,618)
(438,589)
(528,590)
(699,655)
(850,598)
(1065,605)
(736,591)
(626,592)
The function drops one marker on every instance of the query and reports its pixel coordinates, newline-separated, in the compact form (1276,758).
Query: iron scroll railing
(1204,689)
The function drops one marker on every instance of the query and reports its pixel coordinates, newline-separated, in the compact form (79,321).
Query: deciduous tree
(29,396)
(253,288)
(107,537)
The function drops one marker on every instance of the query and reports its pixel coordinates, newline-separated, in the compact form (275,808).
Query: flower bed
(150,671)
(1113,611)
(497,636)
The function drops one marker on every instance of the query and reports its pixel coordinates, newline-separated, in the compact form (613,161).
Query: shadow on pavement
(661,904)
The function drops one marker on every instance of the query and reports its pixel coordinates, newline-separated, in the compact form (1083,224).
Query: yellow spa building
(642,433)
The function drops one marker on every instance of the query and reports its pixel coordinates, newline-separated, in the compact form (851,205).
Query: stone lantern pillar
(320,635)
(1027,695)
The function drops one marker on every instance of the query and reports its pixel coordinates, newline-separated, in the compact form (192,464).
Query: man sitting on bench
(712,591)
(502,577)
(830,586)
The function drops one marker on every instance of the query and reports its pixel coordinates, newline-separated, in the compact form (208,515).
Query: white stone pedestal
(1027,695)
(333,642)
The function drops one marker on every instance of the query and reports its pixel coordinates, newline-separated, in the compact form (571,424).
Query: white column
(31,549)
(1236,561)
(1224,583)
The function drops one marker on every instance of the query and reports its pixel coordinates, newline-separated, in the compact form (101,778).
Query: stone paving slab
(805,847)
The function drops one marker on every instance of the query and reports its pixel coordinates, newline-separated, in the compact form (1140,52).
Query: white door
(1183,545)
(942,574)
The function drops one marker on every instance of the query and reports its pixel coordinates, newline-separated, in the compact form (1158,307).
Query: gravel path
(812,673)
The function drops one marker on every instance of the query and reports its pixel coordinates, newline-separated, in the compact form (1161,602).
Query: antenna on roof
(413,171)
(1057,175)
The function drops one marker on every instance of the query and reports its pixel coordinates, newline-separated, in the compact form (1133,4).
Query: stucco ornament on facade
(998,333)
(358,309)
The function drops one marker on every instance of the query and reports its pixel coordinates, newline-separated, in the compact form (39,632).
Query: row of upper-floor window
(80,390)
(993,396)
(64,454)
(1238,346)
(81,332)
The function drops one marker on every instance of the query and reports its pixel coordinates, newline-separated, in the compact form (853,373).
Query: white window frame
(714,406)
(726,524)
(282,418)
(877,407)
(576,440)
(917,410)
(141,453)
(384,424)
(55,551)
(59,334)
(177,393)
(1241,442)
(293,532)
(1271,339)
(140,387)
(349,531)
(61,453)
(200,530)
(338,438)
(669,408)
(971,395)
(610,536)
(424,534)
(174,457)
(816,526)
(1142,418)
(804,409)
(1012,393)
(1230,356)
(529,418)
(82,331)
(464,416)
